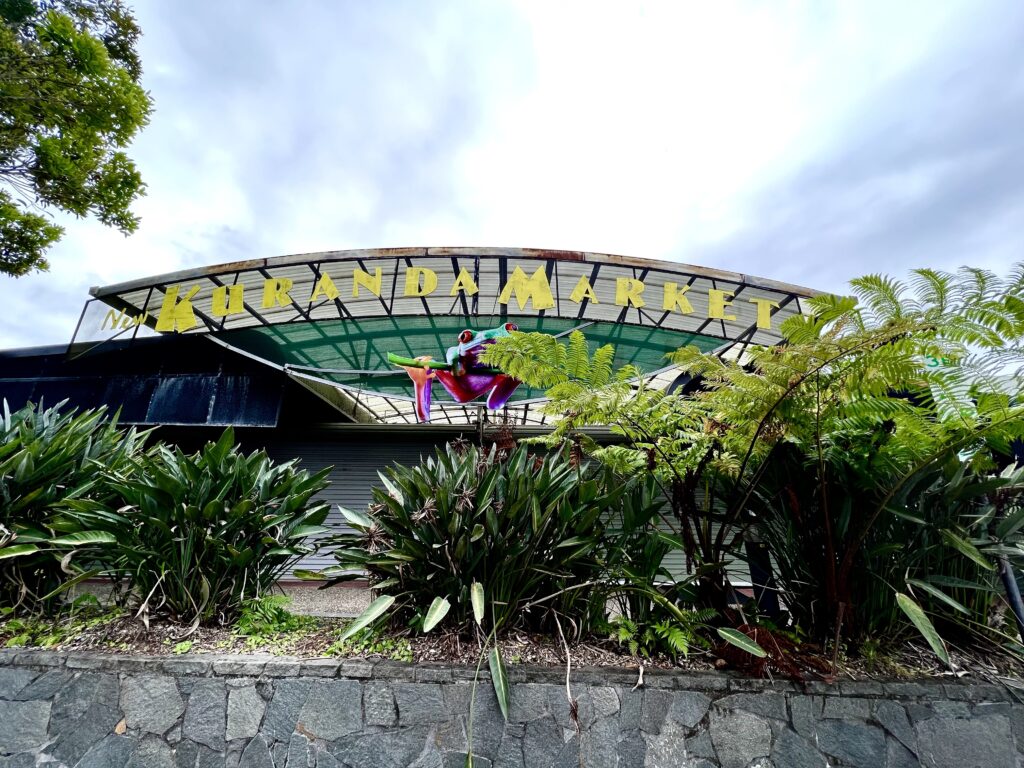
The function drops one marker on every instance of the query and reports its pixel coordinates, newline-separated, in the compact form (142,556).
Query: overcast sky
(806,142)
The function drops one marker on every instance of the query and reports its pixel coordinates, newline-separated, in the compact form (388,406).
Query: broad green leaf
(375,610)
(955,583)
(476,596)
(939,595)
(358,519)
(15,550)
(84,537)
(437,611)
(307,575)
(741,641)
(967,549)
(499,676)
(923,624)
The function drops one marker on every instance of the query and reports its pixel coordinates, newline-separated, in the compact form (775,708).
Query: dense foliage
(540,537)
(190,536)
(835,446)
(50,459)
(197,535)
(70,102)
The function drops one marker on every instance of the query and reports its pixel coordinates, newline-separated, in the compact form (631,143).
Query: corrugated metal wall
(355,458)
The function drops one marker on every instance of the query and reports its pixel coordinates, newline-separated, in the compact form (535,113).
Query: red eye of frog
(511,327)
(465,337)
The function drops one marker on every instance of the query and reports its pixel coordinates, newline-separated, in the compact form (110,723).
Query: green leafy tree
(832,429)
(70,102)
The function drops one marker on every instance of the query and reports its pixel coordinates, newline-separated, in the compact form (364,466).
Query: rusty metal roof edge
(391,253)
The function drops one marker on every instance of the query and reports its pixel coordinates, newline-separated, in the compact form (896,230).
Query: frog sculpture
(462,375)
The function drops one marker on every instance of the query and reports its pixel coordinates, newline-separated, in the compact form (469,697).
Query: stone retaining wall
(99,711)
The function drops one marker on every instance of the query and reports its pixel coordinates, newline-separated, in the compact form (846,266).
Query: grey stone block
(528,701)
(379,705)
(103,662)
(300,752)
(139,665)
(954,743)
(209,758)
(79,695)
(766,704)
(605,701)
(794,751)
(630,708)
(320,667)
(632,751)
(39,659)
(855,743)
(667,746)
(239,666)
(739,737)
(458,760)
(191,666)
(846,708)
(206,714)
(245,713)
(13,680)
(898,756)
(151,703)
(151,752)
(75,738)
(112,752)
(332,709)
(433,673)
(256,754)
(284,707)
(543,742)
(23,725)
(654,710)
(699,745)
(359,669)
(46,685)
(185,754)
(282,668)
(893,717)
(419,703)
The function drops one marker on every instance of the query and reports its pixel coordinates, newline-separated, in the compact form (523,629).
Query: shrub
(50,459)
(199,534)
(539,535)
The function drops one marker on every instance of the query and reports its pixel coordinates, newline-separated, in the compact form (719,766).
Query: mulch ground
(319,637)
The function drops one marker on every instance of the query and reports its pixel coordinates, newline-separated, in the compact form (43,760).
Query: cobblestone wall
(96,711)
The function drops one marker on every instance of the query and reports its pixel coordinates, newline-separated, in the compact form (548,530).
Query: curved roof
(329,319)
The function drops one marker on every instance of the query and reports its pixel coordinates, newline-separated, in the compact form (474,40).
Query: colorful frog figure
(463,376)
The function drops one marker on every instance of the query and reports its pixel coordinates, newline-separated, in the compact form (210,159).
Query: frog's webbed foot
(504,386)
(421,381)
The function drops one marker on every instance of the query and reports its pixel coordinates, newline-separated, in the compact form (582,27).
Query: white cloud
(690,131)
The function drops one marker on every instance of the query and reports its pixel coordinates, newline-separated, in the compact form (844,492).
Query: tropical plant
(51,458)
(542,536)
(840,421)
(199,534)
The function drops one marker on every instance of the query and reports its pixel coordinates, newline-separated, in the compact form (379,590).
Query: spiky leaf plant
(49,458)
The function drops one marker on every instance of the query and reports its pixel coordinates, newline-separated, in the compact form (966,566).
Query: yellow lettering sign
(717,304)
(372,283)
(275,292)
(764,312)
(535,288)
(325,286)
(583,290)
(120,318)
(177,315)
(413,286)
(225,304)
(676,297)
(464,282)
(627,291)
